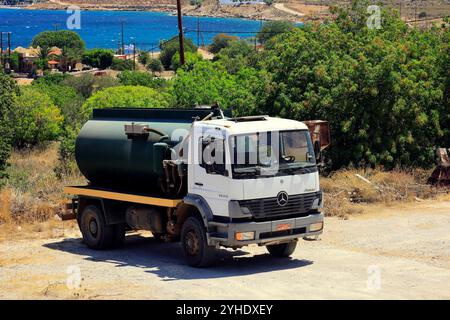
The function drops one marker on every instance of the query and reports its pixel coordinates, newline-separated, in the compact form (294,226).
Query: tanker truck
(197,176)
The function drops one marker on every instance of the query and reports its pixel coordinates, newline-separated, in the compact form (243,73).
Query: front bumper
(265,232)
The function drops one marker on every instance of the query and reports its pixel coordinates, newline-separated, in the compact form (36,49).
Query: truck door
(210,175)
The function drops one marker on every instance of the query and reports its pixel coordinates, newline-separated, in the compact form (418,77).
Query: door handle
(199,184)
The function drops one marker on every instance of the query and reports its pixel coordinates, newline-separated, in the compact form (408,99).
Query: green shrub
(155,65)
(87,84)
(83,84)
(143,57)
(221,41)
(169,48)
(35,119)
(135,78)
(122,65)
(271,29)
(51,78)
(126,97)
(236,56)
(98,58)
(8,89)
(208,83)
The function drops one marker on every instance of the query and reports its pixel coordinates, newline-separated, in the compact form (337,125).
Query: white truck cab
(263,184)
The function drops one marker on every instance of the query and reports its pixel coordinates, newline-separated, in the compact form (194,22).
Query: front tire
(282,250)
(96,234)
(194,243)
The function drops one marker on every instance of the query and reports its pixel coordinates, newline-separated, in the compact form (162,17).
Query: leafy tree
(125,96)
(207,83)
(143,57)
(272,28)
(98,58)
(66,97)
(135,78)
(69,41)
(191,58)
(8,89)
(63,39)
(169,48)
(155,65)
(122,65)
(36,119)
(87,84)
(141,78)
(51,78)
(382,90)
(221,41)
(236,56)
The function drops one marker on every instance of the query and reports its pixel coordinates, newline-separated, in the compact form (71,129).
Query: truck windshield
(271,154)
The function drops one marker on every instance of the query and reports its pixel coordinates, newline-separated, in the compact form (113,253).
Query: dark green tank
(124,148)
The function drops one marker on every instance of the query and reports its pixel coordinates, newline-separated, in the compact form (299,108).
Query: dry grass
(346,191)
(33,192)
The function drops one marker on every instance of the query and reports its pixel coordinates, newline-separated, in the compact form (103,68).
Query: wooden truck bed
(120,196)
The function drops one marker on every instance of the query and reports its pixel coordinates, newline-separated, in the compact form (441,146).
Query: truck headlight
(243,236)
(316,226)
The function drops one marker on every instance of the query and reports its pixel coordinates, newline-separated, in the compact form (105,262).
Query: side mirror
(317,150)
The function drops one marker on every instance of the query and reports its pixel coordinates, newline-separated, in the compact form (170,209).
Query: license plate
(284,226)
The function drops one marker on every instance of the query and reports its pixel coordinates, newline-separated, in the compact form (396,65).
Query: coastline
(243,11)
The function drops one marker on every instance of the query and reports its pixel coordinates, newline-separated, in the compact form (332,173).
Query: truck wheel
(96,234)
(195,247)
(282,250)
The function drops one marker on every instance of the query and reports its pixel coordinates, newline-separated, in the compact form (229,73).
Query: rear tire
(282,250)
(96,234)
(194,243)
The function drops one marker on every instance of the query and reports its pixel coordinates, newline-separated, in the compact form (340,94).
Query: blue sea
(102,29)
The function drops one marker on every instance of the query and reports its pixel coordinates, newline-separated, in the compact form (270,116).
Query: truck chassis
(104,216)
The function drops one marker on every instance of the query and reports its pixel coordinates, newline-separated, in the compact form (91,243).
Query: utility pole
(123,43)
(415,11)
(180,32)
(134,55)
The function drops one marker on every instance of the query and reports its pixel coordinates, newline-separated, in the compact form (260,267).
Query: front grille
(268,207)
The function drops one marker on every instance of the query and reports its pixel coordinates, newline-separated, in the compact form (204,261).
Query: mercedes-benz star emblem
(282,198)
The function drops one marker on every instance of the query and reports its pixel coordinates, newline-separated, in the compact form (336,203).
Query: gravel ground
(387,253)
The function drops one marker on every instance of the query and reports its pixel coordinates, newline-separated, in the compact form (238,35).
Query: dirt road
(282,7)
(398,253)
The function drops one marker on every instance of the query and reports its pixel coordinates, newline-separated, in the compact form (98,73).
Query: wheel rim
(93,227)
(192,243)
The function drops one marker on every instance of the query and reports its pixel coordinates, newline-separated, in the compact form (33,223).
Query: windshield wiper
(303,168)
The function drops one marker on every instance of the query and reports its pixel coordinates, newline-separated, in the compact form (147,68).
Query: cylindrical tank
(123,149)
